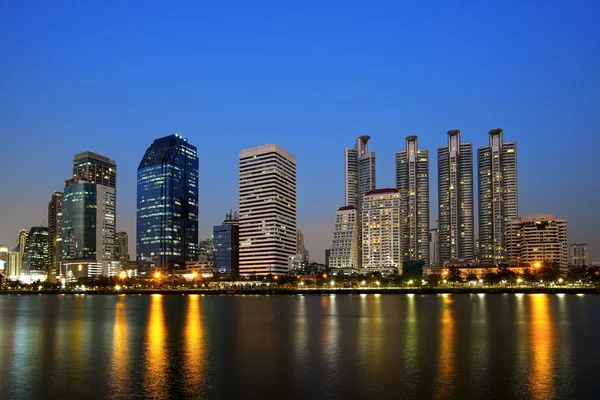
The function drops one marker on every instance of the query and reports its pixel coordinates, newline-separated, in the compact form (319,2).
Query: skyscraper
(122,246)
(455,200)
(167,204)
(267,210)
(226,241)
(344,252)
(54,235)
(537,238)
(381,231)
(412,180)
(578,254)
(359,171)
(35,257)
(498,196)
(94,168)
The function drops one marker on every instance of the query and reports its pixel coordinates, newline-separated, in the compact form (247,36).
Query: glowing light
(117,288)
(157,275)
(332,283)
(122,274)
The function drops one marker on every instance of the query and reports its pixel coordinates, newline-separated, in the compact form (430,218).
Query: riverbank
(326,291)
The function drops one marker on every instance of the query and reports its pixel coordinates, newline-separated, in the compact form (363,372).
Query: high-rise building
(54,235)
(455,200)
(267,210)
(205,250)
(412,180)
(21,241)
(578,254)
(167,205)
(344,252)
(122,246)
(359,171)
(381,230)
(94,168)
(434,246)
(226,242)
(4,259)
(537,238)
(35,257)
(498,196)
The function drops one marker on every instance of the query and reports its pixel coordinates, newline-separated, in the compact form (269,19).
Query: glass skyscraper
(167,205)
(35,256)
(226,242)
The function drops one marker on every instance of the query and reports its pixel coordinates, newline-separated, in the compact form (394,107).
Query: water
(310,347)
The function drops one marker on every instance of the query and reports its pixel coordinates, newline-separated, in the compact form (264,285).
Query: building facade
(226,242)
(455,200)
(54,235)
(344,252)
(167,205)
(35,257)
(578,255)
(537,238)
(267,197)
(122,246)
(360,171)
(434,246)
(381,222)
(412,180)
(498,196)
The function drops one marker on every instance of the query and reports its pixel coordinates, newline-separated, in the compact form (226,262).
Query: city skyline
(313,91)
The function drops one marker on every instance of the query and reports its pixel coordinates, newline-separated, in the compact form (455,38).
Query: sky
(110,77)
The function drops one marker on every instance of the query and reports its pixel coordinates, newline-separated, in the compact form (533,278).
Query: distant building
(344,252)
(205,250)
(537,238)
(434,246)
(359,171)
(412,181)
(54,235)
(327,255)
(226,243)
(21,241)
(498,196)
(167,205)
(35,258)
(381,229)
(4,260)
(455,200)
(578,254)
(267,196)
(122,246)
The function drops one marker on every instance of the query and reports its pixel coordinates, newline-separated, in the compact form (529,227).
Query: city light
(122,274)
(363,283)
(157,275)
(332,283)
(410,282)
(377,283)
(537,264)
(117,288)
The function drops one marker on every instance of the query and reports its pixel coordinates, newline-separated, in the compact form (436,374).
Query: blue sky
(312,76)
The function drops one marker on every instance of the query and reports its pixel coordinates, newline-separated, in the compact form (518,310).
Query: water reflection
(446,355)
(120,348)
(194,346)
(411,340)
(541,377)
(155,367)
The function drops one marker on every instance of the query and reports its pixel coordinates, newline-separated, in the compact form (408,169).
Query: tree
(471,277)
(433,280)
(454,276)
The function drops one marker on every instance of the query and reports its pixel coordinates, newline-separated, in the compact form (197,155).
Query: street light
(377,283)
(117,288)
(537,264)
(363,283)
(332,283)
(157,275)
(410,282)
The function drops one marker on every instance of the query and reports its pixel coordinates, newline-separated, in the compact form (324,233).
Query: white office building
(344,252)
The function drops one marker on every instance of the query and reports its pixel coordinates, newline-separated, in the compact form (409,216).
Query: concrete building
(226,243)
(122,246)
(54,235)
(359,169)
(382,229)
(267,198)
(205,250)
(455,200)
(537,238)
(35,257)
(578,255)
(434,247)
(344,252)
(167,205)
(4,260)
(412,181)
(498,196)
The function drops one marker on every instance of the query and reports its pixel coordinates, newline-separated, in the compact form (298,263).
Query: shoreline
(323,291)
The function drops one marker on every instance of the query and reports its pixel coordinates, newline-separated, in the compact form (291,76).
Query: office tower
(21,241)
(35,257)
(455,200)
(381,230)
(226,242)
(54,235)
(327,255)
(412,180)
(167,205)
(343,258)
(498,196)
(359,171)
(537,238)
(267,210)
(94,168)
(578,255)
(205,250)
(122,246)
(434,246)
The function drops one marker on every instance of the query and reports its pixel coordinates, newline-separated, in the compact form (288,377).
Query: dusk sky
(111,77)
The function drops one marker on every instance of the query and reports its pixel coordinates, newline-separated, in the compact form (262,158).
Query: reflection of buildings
(537,238)
(155,365)
(578,254)
(498,196)
(412,180)
(267,195)
(167,205)
(35,256)
(344,252)
(381,230)
(226,243)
